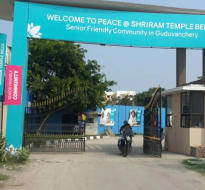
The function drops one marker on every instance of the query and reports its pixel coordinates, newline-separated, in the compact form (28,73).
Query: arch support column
(203,66)
(180,66)
(15,113)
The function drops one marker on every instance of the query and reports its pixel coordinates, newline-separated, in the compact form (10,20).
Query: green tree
(57,67)
(127,100)
(139,99)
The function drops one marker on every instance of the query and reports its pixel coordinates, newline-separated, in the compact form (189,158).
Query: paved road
(103,168)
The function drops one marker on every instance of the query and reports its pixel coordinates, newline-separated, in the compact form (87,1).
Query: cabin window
(169,111)
(192,109)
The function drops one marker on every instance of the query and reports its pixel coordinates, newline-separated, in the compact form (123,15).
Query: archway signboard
(116,27)
(119,28)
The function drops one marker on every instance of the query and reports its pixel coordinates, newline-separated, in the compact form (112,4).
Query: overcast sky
(140,68)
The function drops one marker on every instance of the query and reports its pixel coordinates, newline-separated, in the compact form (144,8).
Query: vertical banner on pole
(2,61)
(13,85)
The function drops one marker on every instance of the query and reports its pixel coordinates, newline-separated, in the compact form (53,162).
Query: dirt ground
(102,167)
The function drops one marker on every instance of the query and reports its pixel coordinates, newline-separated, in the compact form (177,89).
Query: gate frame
(152,142)
(15,114)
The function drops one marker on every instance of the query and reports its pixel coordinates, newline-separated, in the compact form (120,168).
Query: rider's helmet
(127,126)
(125,122)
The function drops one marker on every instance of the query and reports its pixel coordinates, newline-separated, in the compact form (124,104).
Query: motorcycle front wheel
(125,150)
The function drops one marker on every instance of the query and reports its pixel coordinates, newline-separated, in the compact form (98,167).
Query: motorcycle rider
(123,126)
(127,131)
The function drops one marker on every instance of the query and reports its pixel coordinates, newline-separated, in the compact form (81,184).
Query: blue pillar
(15,114)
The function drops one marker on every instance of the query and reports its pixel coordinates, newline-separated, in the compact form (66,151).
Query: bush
(3,152)
(21,156)
(11,155)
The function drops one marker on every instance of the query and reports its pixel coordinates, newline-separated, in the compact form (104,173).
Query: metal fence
(50,137)
(54,143)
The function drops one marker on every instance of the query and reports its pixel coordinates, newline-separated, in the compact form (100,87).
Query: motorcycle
(125,145)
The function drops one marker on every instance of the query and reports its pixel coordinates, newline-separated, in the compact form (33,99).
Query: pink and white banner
(13,85)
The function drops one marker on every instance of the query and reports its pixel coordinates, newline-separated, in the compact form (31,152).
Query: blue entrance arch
(93,26)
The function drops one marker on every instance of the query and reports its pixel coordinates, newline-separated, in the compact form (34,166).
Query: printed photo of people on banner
(107,117)
(134,118)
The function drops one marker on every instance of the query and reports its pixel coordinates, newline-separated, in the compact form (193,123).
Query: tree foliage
(56,67)
(137,100)
(127,100)
(140,97)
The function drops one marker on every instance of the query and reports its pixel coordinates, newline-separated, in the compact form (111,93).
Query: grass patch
(197,165)
(3,177)
(11,166)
